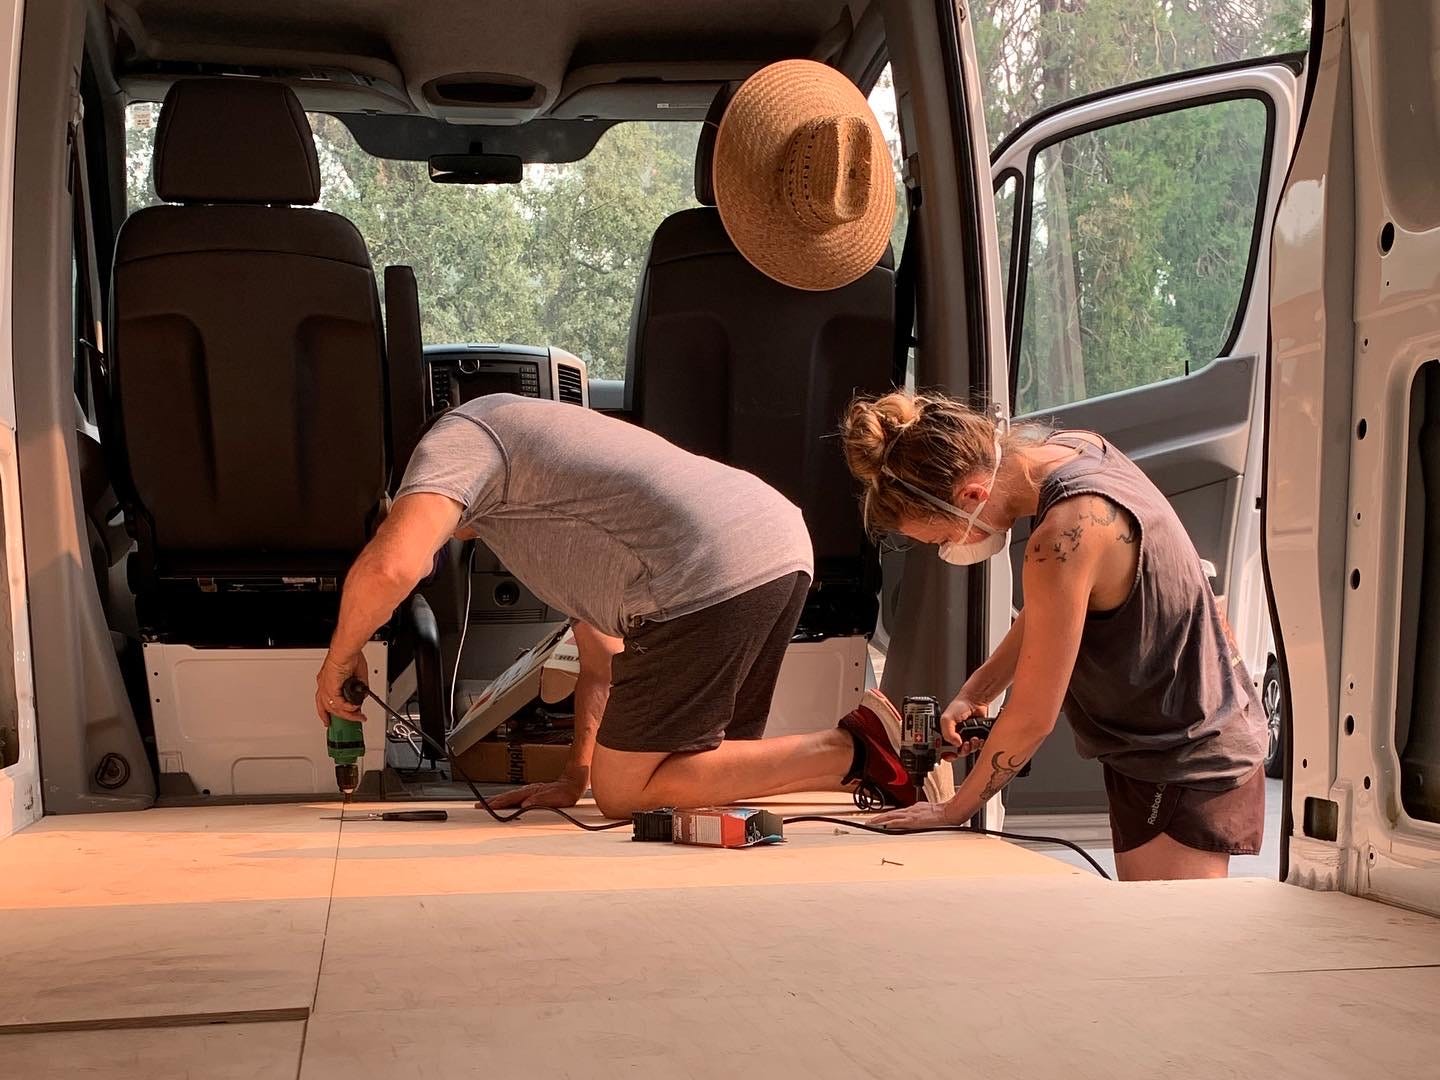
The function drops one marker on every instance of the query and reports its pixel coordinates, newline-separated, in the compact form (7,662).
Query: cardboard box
(519,685)
(728,826)
(493,762)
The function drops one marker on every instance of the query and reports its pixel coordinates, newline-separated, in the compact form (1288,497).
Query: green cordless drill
(345,741)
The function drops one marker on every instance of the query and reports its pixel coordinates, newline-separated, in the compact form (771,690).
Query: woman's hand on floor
(923,815)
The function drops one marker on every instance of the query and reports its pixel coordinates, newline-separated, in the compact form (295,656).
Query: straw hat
(803,177)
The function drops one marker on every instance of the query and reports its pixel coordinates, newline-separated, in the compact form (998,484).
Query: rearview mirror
(476,169)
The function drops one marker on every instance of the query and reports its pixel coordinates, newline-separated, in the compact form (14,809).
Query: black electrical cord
(355,692)
(851,823)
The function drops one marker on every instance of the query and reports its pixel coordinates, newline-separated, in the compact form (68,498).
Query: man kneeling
(686,578)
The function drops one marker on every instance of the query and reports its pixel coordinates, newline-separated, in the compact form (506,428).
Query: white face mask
(977,551)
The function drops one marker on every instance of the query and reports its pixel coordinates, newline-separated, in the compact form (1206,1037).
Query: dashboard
(456,374)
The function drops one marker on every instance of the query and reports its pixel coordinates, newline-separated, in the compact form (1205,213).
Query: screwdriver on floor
(395,815)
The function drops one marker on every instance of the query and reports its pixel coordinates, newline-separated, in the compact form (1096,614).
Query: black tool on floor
(397,815)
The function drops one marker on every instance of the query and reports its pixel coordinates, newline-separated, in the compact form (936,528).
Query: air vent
(570,388)
(507,616)
(439,388)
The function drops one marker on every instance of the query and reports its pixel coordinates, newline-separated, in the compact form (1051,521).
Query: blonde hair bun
(870,428)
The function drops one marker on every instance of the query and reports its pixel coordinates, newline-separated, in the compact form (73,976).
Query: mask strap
(926,497)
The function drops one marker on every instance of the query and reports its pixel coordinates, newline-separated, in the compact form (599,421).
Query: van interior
(256,247)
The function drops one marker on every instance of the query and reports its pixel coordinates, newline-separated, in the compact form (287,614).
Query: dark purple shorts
(1232,821)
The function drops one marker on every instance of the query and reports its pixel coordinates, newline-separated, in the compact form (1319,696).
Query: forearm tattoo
(1003,767)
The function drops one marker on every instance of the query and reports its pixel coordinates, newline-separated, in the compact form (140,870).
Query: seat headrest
(234,141)
(705,149)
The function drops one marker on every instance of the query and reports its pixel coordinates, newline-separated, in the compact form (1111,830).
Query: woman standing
(1120,627)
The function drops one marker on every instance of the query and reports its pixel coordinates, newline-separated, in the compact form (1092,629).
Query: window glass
(1140,243)
(882,103)
(554,260)
(1005,224)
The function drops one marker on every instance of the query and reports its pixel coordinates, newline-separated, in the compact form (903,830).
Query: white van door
(19,755)
(1134,231)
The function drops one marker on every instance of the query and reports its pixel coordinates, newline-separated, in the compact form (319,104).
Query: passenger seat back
(729,363)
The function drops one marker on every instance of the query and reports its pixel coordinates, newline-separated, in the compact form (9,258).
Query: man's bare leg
(1166,859)
(624,782)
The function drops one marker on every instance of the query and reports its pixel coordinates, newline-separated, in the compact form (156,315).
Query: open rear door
(1134,230)
(19,751)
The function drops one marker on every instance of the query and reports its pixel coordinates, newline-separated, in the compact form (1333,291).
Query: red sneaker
(875,726)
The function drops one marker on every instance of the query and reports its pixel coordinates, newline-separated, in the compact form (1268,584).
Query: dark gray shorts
(689,683)
(1231,821)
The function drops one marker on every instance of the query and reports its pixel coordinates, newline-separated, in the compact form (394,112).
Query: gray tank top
(1159,691)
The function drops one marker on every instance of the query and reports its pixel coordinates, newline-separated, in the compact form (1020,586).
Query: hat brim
(749,164)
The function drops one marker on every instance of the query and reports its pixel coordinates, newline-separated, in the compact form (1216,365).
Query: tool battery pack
(654,826)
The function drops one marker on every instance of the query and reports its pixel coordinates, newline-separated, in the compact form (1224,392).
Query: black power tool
(922,743)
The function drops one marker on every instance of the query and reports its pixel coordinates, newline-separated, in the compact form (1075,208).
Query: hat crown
(828,176)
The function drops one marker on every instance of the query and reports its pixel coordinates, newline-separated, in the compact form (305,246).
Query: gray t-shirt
(604,520)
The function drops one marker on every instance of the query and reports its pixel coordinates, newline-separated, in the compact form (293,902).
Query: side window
(1005,192)
(887,111)
(1140,237)
(882,104)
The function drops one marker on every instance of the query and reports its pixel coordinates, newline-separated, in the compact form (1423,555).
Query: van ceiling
(472,61)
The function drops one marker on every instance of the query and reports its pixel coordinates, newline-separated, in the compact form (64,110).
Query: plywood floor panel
(1297,1026)
(222,1052)
(164,912)
(956,937)
(166,856)
(98,963)
(464,947)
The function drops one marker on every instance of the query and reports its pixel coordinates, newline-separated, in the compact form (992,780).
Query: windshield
(553,260)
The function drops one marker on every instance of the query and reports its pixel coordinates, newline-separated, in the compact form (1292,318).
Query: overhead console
(460,373)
